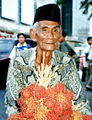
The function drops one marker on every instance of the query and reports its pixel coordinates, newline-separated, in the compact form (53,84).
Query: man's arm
(13,86)
(68,75)
(10,98)
(73,83)
(19,76)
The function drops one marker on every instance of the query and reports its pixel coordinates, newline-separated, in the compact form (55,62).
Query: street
(3,116)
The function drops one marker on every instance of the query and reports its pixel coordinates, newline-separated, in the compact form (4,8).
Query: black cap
(49,12)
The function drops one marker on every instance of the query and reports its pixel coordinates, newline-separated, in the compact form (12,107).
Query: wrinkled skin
(47,35)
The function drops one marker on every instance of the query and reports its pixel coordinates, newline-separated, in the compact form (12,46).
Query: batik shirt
(21,74)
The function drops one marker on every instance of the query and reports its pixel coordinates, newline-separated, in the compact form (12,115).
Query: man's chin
(48,48)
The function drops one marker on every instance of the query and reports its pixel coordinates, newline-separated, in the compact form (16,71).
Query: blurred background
(17,16)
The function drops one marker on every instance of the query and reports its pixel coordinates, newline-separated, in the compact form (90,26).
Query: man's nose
(50,34)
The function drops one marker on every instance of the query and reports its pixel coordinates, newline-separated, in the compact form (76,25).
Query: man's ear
(61,37)
(32,34)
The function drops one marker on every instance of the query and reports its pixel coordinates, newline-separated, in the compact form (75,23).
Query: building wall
(67,17)
(16,16)
(80,26)
(90,12)
(90,33)
(74,23)
(19,17)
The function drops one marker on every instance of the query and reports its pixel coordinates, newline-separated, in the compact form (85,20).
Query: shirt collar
(25,44)
(33,57)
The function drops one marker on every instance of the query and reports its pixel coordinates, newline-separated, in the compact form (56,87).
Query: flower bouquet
(40,101)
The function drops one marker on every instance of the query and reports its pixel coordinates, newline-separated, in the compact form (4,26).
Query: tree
(84,4)
(59,2)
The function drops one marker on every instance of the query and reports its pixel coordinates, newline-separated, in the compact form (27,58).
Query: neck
(43,56)
(21,44)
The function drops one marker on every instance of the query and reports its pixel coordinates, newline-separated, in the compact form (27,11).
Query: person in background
(22,45)
(46,30)
(65,47)
(83,59)
(89,71)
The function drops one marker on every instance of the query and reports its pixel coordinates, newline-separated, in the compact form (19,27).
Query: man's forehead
(46,23)
(90,39)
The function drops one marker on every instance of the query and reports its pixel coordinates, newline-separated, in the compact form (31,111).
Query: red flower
(33,87)
(39,92)
(21,101)
(31,109)
(69,95)
(51,116)
(27,93)
(53,103)
(58,109)
(17,116)
(87,117)
(51,92)
(59,87)
(23,108)
(66,118)
(49,102)
(67,112)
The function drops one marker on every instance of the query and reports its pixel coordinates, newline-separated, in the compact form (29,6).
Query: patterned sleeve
(10,97)
(16,80)
(73,83)
(68,75)
(14,84)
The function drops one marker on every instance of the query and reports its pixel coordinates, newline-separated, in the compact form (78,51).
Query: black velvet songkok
(49,12)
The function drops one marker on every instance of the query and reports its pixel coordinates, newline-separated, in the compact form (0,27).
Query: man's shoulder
(25,55)
(27,51)
(64,46)
(62,57)
(60,53)
(62,43)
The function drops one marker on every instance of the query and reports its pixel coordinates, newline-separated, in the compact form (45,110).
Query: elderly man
(46,30)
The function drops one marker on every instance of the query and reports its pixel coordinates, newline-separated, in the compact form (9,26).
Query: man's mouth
(49,42)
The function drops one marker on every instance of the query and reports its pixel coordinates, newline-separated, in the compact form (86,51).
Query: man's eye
(44,30)
(55,30)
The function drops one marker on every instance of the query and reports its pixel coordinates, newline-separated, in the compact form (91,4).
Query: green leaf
(59,2)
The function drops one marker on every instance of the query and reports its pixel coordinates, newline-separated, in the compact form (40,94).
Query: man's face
(47,35)
(90,41)
(21,39)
